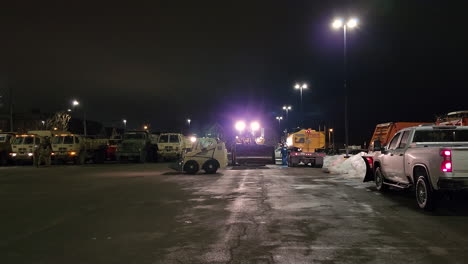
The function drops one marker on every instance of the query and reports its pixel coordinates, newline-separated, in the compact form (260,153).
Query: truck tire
(80,160)
(191,167)
(211,166)
(379,180)
(142,156)
(425,196)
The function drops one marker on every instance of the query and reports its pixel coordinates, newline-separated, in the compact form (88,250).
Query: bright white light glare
(297,86)
(279,118)
(255,126)
(304,86)
(125,120)
(337,23)
(30,154)
(289,141)
(193,139)
(352,23)
(240,125)
(75,103)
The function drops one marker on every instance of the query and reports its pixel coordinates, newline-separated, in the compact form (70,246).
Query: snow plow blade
(369,171)
(257,155)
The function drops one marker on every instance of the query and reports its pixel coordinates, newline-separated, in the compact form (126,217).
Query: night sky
(163,61)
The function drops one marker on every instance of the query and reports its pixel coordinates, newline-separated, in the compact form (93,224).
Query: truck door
(398,158)
(388,158)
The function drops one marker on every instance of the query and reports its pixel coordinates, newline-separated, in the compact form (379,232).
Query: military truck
(139,146)
(68,147)
(6,138)
(22,148)
(171,146)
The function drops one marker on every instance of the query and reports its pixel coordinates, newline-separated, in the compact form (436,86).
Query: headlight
(72,153)
(30,154)
(13,154)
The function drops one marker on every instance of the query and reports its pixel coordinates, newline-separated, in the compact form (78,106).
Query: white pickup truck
(428,158)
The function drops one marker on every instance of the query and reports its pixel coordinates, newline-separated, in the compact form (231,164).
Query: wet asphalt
(146,213)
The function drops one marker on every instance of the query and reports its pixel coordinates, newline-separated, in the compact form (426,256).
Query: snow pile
(352,167)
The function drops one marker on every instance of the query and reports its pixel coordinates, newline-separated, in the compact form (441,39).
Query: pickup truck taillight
(447,162)
(370,161)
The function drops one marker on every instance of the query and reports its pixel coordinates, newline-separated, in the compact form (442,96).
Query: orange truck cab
(384,132)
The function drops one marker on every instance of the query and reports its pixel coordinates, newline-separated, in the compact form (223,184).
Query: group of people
(42,153)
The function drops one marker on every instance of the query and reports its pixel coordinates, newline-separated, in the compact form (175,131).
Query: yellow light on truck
(72,153)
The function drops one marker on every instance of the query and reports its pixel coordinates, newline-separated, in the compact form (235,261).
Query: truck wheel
(142,157)
(80,160)
(211,166)
(379,180)
(424,194)
(191,167)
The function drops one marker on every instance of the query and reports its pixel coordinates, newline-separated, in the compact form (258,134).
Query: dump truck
(208,154)
(458,118)
(171,146)
(385,131)
(24,145)
(77,149)
(6,139)
(138,145)
(305,146)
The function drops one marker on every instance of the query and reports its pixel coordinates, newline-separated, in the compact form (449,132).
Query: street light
(145,127)
(125,123)
(330,131)
(43,123)
(189,121)
(287,108)
(301,87)
(75,103)
(279,118)
(337,24)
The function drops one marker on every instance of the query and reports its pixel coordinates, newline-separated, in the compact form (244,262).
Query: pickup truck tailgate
(460,162)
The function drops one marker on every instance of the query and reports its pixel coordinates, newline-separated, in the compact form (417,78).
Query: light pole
(301,87)
(287,108)
(279,118)
(330,131)
(337,24)
(75,103)
(188,122)
(125,124)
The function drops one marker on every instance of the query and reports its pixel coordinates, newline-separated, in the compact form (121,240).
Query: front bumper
(63,156)
(23,156)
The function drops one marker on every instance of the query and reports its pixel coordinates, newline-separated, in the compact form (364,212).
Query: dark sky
(164,61)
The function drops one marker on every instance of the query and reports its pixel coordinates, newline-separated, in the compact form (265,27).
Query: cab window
(163,139)
(394,142)
(174,138)
(28,140)
(68,140)
(77,140)
(404,140)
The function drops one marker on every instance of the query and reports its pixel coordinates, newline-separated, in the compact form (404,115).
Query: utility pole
(11,108)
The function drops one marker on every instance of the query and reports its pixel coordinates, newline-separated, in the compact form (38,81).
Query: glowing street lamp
(279,118)
(330,131)
(188,122)
(125,123)
(145,127)
(350,24)
(301,87)
(75,103)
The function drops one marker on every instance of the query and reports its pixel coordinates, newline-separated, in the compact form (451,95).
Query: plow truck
(304,147)
(249,148)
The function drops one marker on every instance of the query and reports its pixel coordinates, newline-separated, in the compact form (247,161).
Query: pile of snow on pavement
(352,167)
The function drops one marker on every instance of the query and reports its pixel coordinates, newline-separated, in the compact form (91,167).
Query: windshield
(441,136)
(57,140)
(164,139)
(18,141)
(3,138)
(28,140)
(134,136)
(68,140)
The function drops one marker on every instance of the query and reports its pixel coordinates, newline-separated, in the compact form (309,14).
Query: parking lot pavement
(146,213)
